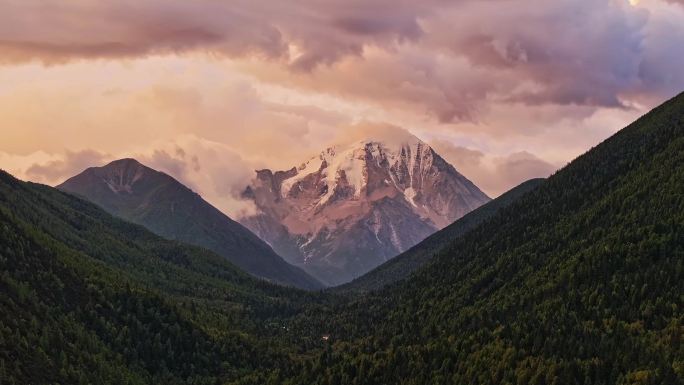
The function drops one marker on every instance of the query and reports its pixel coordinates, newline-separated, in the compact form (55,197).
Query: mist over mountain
(132,191)
(355,206)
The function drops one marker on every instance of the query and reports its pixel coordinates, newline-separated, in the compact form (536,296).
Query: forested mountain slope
(411,260)
(579,282)
(88,298)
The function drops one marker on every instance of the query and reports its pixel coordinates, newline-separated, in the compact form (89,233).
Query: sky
(210,90)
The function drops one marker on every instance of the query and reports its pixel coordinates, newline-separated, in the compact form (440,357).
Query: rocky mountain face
(137,193)
(353,207)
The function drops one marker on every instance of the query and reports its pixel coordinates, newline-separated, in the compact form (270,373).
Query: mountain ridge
(135,192)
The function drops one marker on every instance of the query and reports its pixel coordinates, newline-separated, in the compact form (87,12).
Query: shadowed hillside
(155,200)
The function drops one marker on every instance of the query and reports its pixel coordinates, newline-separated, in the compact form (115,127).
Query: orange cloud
(57,170)
(513,87)
(57,32)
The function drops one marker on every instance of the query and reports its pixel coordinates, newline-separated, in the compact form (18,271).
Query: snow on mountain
(352,207)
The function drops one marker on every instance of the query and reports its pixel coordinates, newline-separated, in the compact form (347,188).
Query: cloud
(544,44)
(322,32)
(521,166)
(209,136)
(405,79)
(372,131)
(165,112)
(473,55)
(494,174)
(449,59)
(211,169)
(57,170)
(219,88)
(219,172)
(85,29)
(462,158)
(128,108)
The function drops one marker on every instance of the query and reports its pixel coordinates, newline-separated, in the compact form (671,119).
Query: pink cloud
(450,59)
(72,162)
(537,81)
(494,174)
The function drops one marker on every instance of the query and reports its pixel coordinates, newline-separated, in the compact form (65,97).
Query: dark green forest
(579,281)
(88,298)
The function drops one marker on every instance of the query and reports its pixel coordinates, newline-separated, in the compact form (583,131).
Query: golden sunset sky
(209,90)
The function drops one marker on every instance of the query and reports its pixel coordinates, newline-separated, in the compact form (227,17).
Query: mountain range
(352,207)
(137,193)
(577,281)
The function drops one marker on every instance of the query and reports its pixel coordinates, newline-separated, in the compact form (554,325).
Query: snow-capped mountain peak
(349,165)
(367,200)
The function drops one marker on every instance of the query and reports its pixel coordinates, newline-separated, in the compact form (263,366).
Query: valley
(577,278)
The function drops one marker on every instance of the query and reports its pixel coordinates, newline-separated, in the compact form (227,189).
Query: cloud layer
(209,90)
(448,58)
(494,174)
